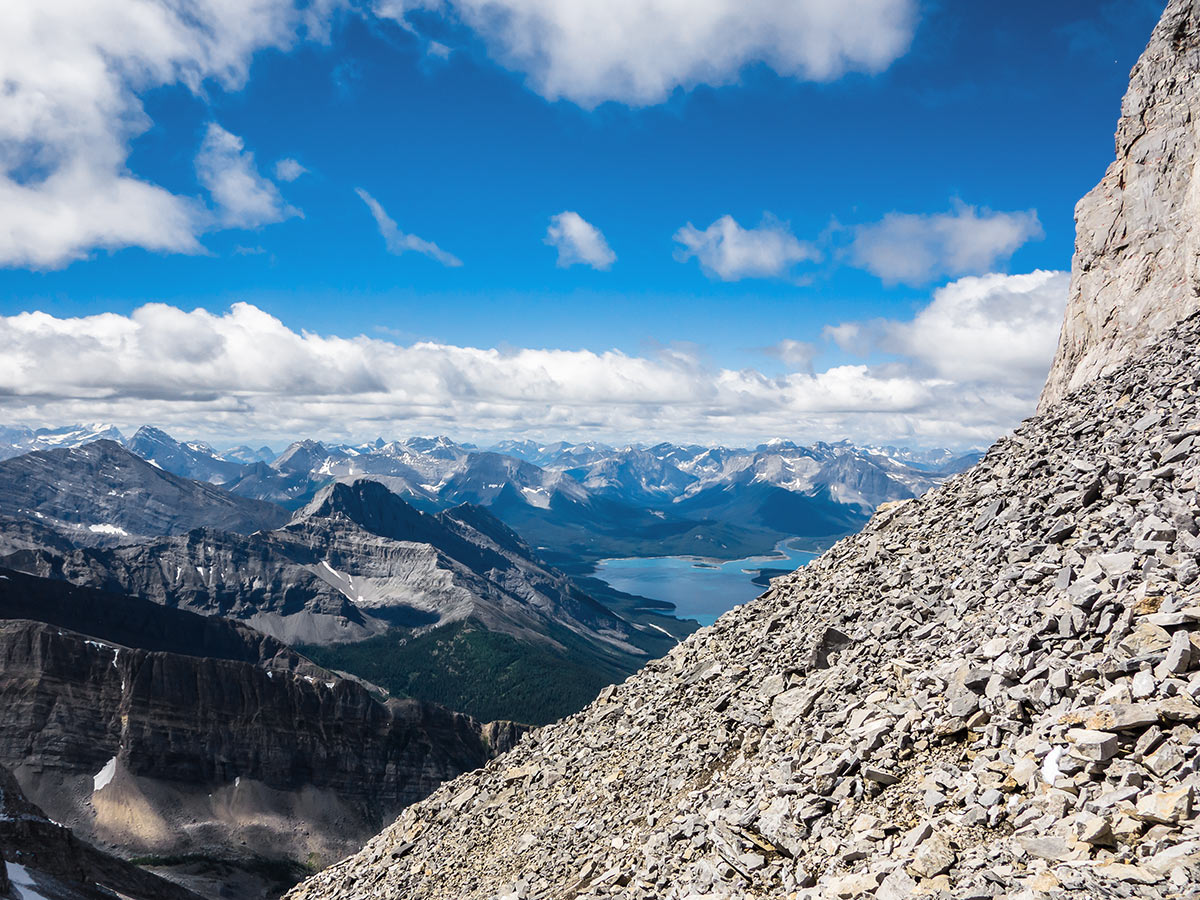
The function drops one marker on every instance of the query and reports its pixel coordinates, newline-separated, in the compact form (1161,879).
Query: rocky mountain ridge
(355,562)
(451,607)
(102,494)
(581,502)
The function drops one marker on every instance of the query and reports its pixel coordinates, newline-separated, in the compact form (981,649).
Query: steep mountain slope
(47,861)
(994,685)
(1137,240)
(101,493)
(167,734)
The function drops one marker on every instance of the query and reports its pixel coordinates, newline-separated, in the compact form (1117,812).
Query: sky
(700,220)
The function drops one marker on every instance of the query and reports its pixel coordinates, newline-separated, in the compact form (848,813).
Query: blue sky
(969,129)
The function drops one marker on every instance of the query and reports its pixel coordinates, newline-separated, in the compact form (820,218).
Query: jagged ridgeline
(989,692)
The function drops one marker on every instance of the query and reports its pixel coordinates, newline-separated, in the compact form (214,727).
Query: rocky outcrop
(165,733)
(992,691)
(1136,269)
(101,494)
(49,862)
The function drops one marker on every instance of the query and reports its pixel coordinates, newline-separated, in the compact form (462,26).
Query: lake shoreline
(702,588)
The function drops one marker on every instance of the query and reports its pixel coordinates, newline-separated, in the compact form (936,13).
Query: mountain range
(576,503)
(357,562)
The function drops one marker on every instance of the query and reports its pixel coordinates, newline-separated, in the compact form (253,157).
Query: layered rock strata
(165,733)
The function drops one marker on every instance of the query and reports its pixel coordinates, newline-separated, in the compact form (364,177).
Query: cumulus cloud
(72,73)
(288,170)
(987,328)
(727,251)
(398,242)
(243,198)
(578,241)
(639,51)
(916,249)
(245,372)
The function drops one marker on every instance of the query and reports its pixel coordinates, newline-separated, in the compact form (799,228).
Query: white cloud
(796,354)
(639,51)
(398,242)
(916,249)
(243,198)
(988,328)
(245,372)
(730,252)
(578,241)
(288,169)
(849,336)
(72,72)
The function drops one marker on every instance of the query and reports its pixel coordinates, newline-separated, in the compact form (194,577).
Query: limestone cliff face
(1136,270)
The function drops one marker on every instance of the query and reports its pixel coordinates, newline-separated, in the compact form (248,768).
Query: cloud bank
(578,241)
(639,51)
(965,369)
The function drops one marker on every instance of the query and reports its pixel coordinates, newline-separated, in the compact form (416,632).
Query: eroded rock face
(1135,271)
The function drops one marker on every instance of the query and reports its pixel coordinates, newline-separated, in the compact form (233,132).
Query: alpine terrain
(989,692)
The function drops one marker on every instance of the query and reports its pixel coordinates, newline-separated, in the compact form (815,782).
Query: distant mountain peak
(369,505)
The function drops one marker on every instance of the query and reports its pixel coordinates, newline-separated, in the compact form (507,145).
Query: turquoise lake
(701,589)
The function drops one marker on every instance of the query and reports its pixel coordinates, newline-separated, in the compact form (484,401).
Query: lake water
(700,589)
